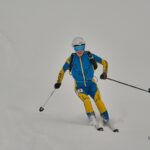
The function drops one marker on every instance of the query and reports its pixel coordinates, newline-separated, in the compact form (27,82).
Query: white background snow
(35,40)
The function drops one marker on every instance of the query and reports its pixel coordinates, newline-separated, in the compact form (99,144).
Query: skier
(82,64)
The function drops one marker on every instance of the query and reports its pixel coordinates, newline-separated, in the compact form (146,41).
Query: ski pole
(47,100)
(130,85)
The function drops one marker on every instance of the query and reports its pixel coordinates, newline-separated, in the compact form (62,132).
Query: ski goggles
(79,47)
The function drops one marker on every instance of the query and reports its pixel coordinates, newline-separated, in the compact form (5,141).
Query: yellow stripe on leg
(99,103)
(87,103)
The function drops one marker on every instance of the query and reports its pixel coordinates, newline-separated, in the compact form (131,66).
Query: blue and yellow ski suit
(85,86)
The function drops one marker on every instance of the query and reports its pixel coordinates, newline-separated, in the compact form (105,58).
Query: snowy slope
(35,39)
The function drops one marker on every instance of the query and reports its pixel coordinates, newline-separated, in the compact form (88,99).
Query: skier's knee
(88,106)
(97,96)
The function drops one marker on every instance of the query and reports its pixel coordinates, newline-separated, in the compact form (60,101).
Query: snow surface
(35,40)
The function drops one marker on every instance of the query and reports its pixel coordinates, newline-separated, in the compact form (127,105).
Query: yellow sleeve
(105,65)
(60,76)
(63,70)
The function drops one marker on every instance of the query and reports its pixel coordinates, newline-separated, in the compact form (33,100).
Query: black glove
(57,85)
(103,76)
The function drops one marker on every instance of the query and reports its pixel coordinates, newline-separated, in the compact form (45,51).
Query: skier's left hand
(103,76)
(57,85)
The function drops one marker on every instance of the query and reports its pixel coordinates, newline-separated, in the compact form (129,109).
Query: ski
(111,127)
(95,123)
(99,124)
(100,129)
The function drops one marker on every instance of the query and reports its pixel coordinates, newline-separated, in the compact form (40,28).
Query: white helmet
(78,41)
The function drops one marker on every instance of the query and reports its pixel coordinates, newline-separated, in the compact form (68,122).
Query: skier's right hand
(57,85)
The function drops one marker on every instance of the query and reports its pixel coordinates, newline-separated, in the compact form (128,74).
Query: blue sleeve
(97,58)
